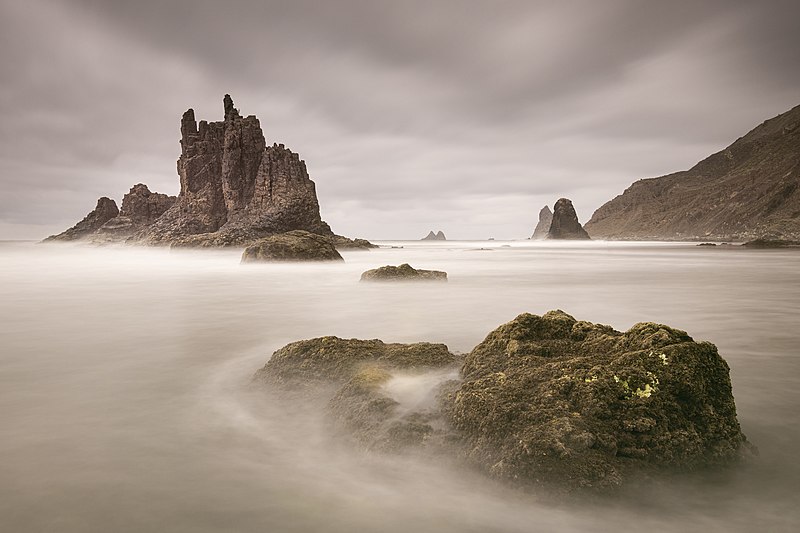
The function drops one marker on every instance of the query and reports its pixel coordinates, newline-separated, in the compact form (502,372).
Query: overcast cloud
(462,116)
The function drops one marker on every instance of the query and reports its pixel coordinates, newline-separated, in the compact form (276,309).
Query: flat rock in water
(297,245)
(404,272)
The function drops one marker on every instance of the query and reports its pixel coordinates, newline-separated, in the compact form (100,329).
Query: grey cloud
(468,113)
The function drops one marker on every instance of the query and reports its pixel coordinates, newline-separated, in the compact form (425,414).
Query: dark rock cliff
(565,223)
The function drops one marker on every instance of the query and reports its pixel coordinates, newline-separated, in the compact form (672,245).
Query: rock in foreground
(404,272)
(548,399)
(297,245)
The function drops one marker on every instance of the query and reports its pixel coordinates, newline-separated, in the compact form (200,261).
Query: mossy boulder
(307,363)
(549,399)
(297,245)
(404,272)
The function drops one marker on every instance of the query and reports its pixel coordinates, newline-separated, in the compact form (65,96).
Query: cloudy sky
(466,116)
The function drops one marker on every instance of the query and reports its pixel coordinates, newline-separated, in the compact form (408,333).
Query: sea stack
(543,226)
(438,236)
(565,223)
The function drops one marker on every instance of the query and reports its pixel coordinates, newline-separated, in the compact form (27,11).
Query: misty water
(126,405)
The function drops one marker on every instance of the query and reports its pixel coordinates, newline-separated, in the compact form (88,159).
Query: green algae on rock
(549,399)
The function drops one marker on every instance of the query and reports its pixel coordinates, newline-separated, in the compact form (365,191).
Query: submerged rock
(404,272)
(543,226)
(297,245)
(105,210)
(549,399)
(565,223)
(771,243)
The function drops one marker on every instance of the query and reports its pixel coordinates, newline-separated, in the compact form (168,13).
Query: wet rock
(543,226)
(343,243)
(552,400)
(105,210)
(565,223)
(404,272)
(297,245)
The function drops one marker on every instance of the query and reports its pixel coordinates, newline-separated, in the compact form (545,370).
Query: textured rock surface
(105,210)
(308,363)
(235,188)
(140,208)
(750,189)
(344,243)
(438,236)
(565,223)
(553,400)
(297,245)
(350,375)
(404,272)
(543,226)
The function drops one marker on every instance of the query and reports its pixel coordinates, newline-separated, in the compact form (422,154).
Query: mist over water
(126,405)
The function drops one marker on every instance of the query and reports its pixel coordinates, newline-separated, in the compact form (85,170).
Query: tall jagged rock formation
(750,189)
(235,188)
(565,223)
(105,210)
(543,226)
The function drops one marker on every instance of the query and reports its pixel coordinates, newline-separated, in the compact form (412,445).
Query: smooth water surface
(125,402)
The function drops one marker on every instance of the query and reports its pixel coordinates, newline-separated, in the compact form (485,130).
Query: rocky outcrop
(353,377)
(438,236)
(565,223)
(297,245)
(549,399)
(343,243)
(105,210)
(140,208)
(404,272)
(748,190)
(235,188)
(543,400)
(543,226)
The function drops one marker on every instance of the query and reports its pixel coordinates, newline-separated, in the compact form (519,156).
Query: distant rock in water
(343,243)
(552,400)
(404,272)
(750,189)
(771,243)
(105,210)
(234,191)
(543,226)
(438,236)
(297,245)
(565,223)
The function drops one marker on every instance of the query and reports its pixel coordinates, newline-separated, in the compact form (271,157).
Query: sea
(127,402)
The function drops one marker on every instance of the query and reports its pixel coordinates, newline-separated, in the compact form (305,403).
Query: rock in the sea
(105,210)
(438,236)
(235,188)
(565,223)
(351,376)
(343,243)
(771,243)
(404,272)
(297,245)
(543,226)
(549,399)
(140,208)
(308,363)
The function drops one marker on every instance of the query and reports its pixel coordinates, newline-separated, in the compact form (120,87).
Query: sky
(462,116)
